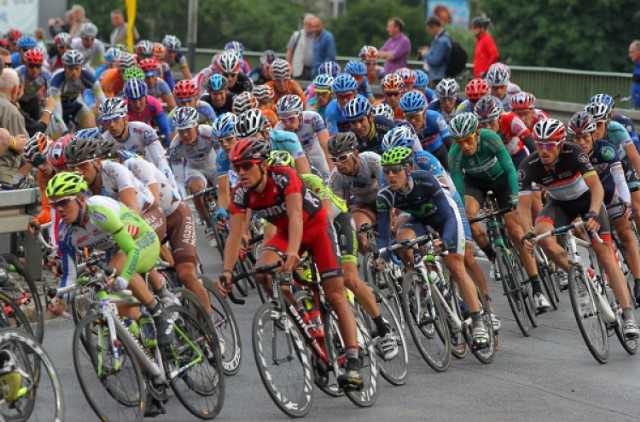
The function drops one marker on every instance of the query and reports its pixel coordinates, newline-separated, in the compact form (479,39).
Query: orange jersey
(270,115)
(44,216)
(112,82)
(398,114)
(294,88)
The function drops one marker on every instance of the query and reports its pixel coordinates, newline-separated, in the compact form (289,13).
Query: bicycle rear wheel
(547,278)
(590,323)
(367,396)
(283,361)
(513,291)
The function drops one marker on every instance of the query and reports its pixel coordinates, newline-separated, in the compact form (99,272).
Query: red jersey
(513,131)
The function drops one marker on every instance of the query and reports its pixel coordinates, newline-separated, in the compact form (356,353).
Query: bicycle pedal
(479,345)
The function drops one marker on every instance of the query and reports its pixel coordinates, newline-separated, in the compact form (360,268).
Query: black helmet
(480,21)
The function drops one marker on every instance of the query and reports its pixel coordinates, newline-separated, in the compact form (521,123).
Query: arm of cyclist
(129,198)
(163,124)
(597,196)
(232,250)
(323,139)
(617,172)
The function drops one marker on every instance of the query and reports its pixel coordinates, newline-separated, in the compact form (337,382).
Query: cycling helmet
(235,46)
(580,123)
(144,48)
(66,184)
(39,143)
(149,66)
(171,42)
(224,125)
(397,155)
(126,60)
(88,30)
(413,101)
(463,125)
(329,68)
(267,58)
(250,149)
(135,88)
(382,109)
(392,83)
(603,98)
(281,158)
(81,149)
(476,89)
(368,54)
(407,75)
(498,75)
(356,108)
(447,88)
(599,111)
(549,130)
(133,72)
(122,47)
(111,55)
(280,69)
(14,34)
(63,39)
(159,51)
(422,80)
(263,92)
(185,89)
(26,42)
(112,108)
(72,58)
(341,142)
(522,101)
(217,82)
(251,122)
(56,151)
(399,136)
(355,68)
(243,102)
(289,105)
(92,133)
(488,109)
(33,56)
(343,83)
(108,148)
(228,62)
(323,83)
(185,118)
(480,21)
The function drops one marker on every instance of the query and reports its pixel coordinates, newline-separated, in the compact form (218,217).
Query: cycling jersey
(69,106)
(160,90)
(100,70)
(364,88)
(243,83)
(112,82)
(145,172)
(513,131)
(464,107)
(312,105)
(618,136)
(365,185)
(206,115)
(257,77)
(286,141)
(153,112)
(200,155)
(223,168)
(95,51)
(434,132)
(380,127)
(116,178)
(398,114)
(436,106)
(335,120)
(227,107)
(320,188)
(180,60)
(33,86)
(606,163)
(310,124)
(16,60)
(293,88)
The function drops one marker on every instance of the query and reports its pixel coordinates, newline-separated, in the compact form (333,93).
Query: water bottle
(132,326)
(147,329)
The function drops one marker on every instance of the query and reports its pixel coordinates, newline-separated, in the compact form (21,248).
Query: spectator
(13,122)
(486,50)
(634,56)
(79,18)
(324,46)
(438,55)
(120,27)
(5,57)
(38,34)
(32,125)
(56,25)
(396,50)
(300,49)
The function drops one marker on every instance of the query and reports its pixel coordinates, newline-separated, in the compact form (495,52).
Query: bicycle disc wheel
(193,364)
(113,385)
(432,336)
(283,361)
(224,321)
(513,291)
(590,323)
(21,280)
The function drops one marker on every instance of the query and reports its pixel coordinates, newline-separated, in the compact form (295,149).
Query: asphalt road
(548,376)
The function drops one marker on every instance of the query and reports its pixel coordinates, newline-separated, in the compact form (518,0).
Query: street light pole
(192,34)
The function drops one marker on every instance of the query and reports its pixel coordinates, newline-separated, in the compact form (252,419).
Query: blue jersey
(33,86)
(434,131)
(15,60)
(334,118)
(381,125)
(286,141)
(365,88)
(312,105)
(100,70)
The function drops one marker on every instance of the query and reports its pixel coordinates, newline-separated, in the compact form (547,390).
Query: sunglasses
(395,169)
(245,165)
(345,96)
(468,140)
(413,115)
(230,75)
(227,139)
(64,202)
(38,159)
(34,66)
(288,120)
(341,158)
(183,100)
(391,94)
(546,145)
(113,119)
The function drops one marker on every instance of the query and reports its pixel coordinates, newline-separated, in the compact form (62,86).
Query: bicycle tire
(547,279)
(386,285)
(630,345)
(87,339)
(83,303)
(15,318)
(485,354)
(367,396)
(37,321)
(598,345)
(195,354)
(459,348)
(226,326)
(525,286)
(513,292)
(436,351)
(293,395)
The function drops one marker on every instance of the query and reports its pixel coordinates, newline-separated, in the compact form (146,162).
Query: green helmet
(133,72)
(397,155)
(463,125)
(280,158)
(65,184)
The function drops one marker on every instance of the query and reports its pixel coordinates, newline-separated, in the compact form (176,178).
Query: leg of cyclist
(479,235)
(86,119)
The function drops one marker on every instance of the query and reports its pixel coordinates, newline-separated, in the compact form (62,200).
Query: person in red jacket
(486,49)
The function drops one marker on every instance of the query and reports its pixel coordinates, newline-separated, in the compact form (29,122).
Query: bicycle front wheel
(590,323)
(20,278)
(513,291)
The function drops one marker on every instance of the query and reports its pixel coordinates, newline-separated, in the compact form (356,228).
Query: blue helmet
(357,108)
(413,101)
(329,68)
(92,132)
(217,82)
(356,67)
(323,82)
(422,80)
(604,99)
(235,46)
(135,88)
(112,54)
(224,125)
(343,83)
(26,42)
(399,136)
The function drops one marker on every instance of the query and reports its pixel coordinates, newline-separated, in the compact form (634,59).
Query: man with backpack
(438,55)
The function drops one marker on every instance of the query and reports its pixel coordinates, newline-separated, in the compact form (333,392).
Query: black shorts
(630,175)
(347,239)
(561,213)
(478,188)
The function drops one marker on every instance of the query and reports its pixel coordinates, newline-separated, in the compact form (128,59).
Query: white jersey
(200,155)
(145,172)
(116,178)
(365,185)
(96,49)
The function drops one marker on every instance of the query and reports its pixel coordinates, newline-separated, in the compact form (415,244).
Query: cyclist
(224,130)
(358,70)
(475,89)
(36,81)
(344,87)
(186,95)
(323,94)
(113,79)
(25,43)
(261,75)
(66,86)
(238,48)
(145,108)
(110,61)
(157,87)
(278,195)
(392,86)
(573,190)
(523,105)
(498,77)
(448,99)
(339,214)
(479,162)
(174,56)
(90,47)
(310,129)
(369,56)
(35,152)
(61,43)
(218,95)
(328,68)
(414,192)
(421,84)
(622,119)
(430,125)
(247,101)
(408,77)
(281,81)
(264,95)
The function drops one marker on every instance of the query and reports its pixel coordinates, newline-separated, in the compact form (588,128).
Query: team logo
(583,158)
(608,153)
(98,216)
(521,174)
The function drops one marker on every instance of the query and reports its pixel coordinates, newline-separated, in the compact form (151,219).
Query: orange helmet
(159,51)
(368,54)
(392,83)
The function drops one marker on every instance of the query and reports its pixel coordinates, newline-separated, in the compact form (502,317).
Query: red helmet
(522,101)
(407,75)
(56,151)
(148,65)
(14,35)
(33,56)
(476,89)
(185,89)
(159,51)
(250,149)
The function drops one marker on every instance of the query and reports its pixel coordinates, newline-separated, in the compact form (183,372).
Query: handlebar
(203,192)
(564,229)
(490,215)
